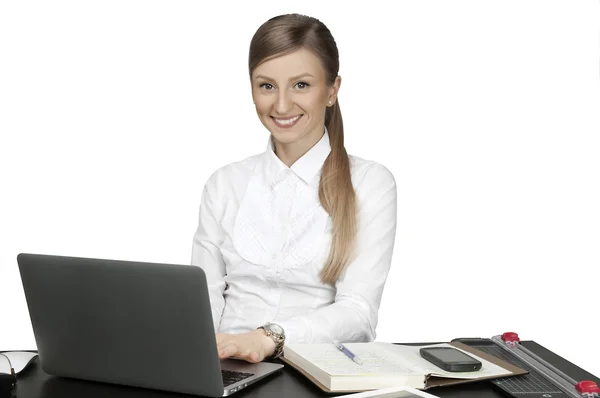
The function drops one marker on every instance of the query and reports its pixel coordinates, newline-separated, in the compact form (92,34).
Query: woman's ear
(333,90)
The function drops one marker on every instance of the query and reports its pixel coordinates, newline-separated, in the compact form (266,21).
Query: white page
(392,392)
(19,360)
(376,359)
(412,355)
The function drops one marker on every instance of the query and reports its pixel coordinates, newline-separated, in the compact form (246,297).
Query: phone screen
(450,355)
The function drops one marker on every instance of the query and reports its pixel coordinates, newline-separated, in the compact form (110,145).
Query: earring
(329,102)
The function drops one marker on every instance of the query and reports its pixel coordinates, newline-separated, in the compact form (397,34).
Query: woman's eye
(267,86)
(302,85)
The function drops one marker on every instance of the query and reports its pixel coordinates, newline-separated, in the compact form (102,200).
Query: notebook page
(412,355)
(376,359)
(391,392)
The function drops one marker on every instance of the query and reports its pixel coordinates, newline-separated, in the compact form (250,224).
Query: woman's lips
(286,123)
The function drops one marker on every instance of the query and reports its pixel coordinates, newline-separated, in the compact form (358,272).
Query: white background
(114,113)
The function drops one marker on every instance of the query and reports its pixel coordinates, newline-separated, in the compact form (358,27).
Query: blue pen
(347,352)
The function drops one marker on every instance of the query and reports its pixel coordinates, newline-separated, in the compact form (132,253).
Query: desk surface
(34,383)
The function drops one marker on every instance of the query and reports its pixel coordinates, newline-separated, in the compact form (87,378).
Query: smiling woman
(296,242)
(293,108)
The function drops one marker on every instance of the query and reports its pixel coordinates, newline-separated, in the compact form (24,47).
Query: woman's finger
(224,340)
(223,343)
(220,337)
(227,351)
(254,357)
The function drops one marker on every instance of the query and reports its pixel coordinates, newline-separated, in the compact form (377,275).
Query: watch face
(276,328)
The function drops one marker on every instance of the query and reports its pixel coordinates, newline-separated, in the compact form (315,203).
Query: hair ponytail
(338,198)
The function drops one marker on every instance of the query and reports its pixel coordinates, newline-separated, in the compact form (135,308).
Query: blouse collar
(307,167)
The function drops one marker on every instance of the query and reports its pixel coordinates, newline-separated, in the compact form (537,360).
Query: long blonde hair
(285,34)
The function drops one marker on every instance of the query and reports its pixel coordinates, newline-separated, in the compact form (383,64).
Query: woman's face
(291,95)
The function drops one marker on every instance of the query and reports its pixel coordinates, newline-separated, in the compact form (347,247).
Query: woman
(296,242)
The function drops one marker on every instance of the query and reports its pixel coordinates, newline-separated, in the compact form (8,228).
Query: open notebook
(385,365)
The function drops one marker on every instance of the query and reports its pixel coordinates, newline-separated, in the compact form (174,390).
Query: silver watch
(275,332)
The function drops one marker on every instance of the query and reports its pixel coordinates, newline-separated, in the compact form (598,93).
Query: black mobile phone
(450,359)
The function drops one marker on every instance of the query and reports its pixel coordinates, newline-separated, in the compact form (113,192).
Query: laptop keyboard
(231,377)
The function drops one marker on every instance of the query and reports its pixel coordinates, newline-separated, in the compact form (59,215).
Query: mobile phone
(450,359)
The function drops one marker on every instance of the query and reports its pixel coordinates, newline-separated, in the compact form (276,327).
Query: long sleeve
(206,253)
(354,314)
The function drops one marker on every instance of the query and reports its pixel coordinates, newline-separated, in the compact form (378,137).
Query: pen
(347,352)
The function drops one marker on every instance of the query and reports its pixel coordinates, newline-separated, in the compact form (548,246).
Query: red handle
(587,387)
(510,337)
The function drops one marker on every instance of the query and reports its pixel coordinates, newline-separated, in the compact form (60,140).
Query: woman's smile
(286,123)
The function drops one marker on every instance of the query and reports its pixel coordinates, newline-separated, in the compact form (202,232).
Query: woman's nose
(284,104)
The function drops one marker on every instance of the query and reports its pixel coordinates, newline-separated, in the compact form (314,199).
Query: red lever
(510,337)
(587,388)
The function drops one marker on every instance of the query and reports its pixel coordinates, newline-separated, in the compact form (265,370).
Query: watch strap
(279,339)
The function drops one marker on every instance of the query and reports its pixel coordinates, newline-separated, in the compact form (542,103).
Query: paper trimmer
(543,380)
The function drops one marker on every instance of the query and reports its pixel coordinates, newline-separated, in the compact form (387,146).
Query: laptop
(138,324)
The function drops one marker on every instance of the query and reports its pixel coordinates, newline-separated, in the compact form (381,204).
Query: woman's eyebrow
(290,79)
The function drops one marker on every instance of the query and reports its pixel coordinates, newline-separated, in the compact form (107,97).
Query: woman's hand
(252,347)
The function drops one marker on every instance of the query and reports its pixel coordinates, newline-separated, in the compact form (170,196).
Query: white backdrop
(114,113)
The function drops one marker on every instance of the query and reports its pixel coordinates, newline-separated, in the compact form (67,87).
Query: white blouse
(263,238)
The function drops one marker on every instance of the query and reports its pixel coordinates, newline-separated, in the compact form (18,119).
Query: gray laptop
(132,323)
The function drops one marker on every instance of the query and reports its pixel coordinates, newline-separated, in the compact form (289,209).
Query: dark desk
(34,383)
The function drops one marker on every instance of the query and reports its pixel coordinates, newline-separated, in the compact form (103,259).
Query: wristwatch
(275,332)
